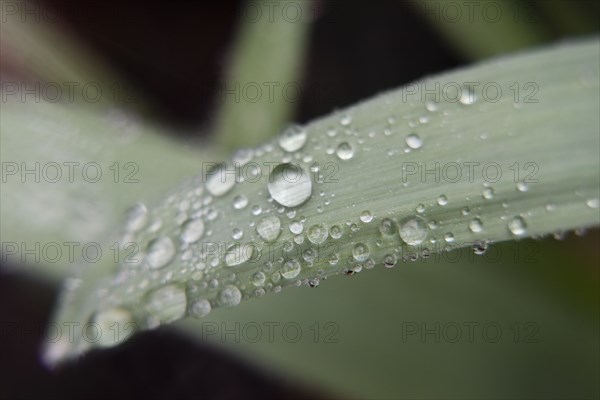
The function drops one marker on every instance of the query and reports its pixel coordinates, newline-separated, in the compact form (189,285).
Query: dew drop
(387,227)
(296,227)
(442,200)
(389,261)
(420,209)
(366,216)
(256,210)
(240,202)
(414,141)
(467,96)
(192,230)
(200,308)
(317,233)
(238,254)
(107,320)
(344,151)
(488,193)
(137,217)
(475,225)
(290,269)
(314,282)
(336,232)
(346,120)
(449,237)
(230,296)
(160,252)
(293,138)
(220,180)
(290,185)
(413,230)
(480,247)
(522,187)
(269,228)
(167,303)
(360,252)
(593,203)
(517,226)
(237,233)
(259,279)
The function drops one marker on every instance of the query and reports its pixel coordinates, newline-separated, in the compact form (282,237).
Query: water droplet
(290,185)
(593,203)
(420,209)
(480,247)
(344,151)
(200,308)
(220,180)
(366,217)
(237,233)
(230,296)
(269,228)
(256,210)
(240,202)
(296,227)
(517,226)
(192,230)
(160,252)
(336,232)
(167,303)
(466,211)
(137,217)
(413,230)
(317,233)
(290,269)
(108,319)
(414,141)
(387,227)
(314,282)
(292,138)
(360,252)
(467,96)
(475,225)
(389,261)
(449,237)
(488,193)
(346,120)
(259,278)
(442,200)
(522,187)
(238,254)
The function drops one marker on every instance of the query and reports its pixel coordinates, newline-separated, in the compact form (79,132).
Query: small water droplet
(522,187)
(387,227)
(237,233)
(256,209)
(192,230)
(317,233)
(442,200)
(413,230)
(296,227)
(449,237)
(467,96)
(240,202)
(269,228)
(292,138)
(290,269)
(230,296)
(336,232)
(466,211)
(360,252)
(389,261)
(314,282)
(593,203)
(167,303)
(366,216)
(160,252)
(517,226)
(420,209)
(414,141)
(259,278)
(200,308)
(290,185)
(344,151)
(137,217)
(475,225)
(488,193)
(480,247)
(108,319)
(346,120)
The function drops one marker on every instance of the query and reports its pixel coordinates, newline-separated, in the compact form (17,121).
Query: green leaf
(353,197)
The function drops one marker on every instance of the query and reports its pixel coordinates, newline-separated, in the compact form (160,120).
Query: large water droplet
(292,138)
(230,296)
(200,308)
(414,141)
(160,252)
(192,230)
(517,226)
(317,233)
(167,304)
(269,228)
(290,269)
(238,254)
(413,230)
(344,151)
(220,180)
(290,185)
